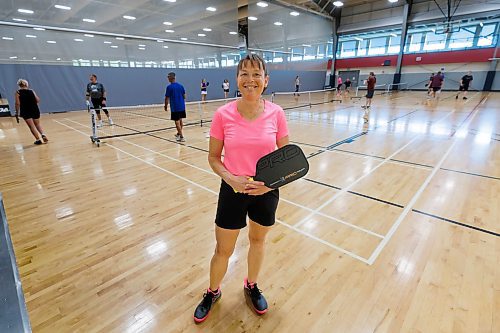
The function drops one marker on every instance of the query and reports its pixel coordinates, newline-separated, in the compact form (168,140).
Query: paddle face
(282,166)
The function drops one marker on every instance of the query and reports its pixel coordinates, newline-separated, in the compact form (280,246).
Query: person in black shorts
(246,129)
(176,95)
(225,87)
(27,107)
(347,84)
(297,86)
(465,84)
(97,95)
(370,91)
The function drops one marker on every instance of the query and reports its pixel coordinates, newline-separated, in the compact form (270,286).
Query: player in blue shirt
(176,95)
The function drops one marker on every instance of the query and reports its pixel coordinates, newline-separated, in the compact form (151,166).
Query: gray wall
(62,88)
(416,81)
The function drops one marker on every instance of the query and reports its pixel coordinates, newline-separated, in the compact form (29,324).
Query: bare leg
(257,237)
(178,126)
(32,128)
(38,126)
(226,240)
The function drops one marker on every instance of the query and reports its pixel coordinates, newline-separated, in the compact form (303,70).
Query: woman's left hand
(256,188)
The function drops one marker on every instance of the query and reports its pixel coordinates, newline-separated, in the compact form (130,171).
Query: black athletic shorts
(177,115)
(339,86)
(232,208)
(436,89)
(30,114)
(465,87)
(226,90)
(97,103)
(369,93)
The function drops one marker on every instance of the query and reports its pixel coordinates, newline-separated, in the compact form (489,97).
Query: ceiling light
(39,29)
(88,20)
(34,58)
(51,41)
(88,35)
(128,17)
(207,29)
(393,1)
(262,4)
(78,40)
(170,0)
(338,3)
(7,38)
(19,20)
(211,9)
(114,46)
(58,59)
(169,30)
(306,45)
(252,18)
(119,38)
(294,13)
(233,33)
(142,48)
(278,23)
(14,57)
(160,41)
(167,23)
(62,7)
(184,38)
(142,45)
(25,11)
(165,46)
(30,36)
(202,35)
(107,42)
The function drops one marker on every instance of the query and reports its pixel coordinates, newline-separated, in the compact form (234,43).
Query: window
(377,46)
(321,51)
(297,53)
(462,39)
(486,35)
(362,47)
(309,52)
(434,41)
(347,49)
(415,41)
(394,44)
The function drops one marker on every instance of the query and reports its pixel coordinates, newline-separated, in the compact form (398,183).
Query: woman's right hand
(238,183)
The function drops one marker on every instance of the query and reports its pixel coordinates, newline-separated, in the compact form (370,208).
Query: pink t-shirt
(245,142)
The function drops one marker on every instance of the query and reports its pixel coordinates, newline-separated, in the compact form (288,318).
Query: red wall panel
(463,56)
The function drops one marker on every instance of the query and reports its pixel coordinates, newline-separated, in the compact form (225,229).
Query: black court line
(471,173)
(322,184)
(354,193)
(401,206)
(412,163)
(357,153)
(376,199)
(147,116)
(457,223)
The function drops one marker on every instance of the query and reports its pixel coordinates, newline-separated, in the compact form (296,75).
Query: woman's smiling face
(252,80)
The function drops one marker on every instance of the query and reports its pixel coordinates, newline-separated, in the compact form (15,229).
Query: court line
(354,226)
(351,254)
(416,196)
(471,174)
(457,223)
(349,187)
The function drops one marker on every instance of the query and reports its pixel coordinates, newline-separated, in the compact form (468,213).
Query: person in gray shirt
(97,95)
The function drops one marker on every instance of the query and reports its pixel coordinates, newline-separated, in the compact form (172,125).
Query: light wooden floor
(395,230)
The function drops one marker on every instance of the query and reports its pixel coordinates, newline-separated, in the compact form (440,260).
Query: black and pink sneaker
(255,298)
(203,309)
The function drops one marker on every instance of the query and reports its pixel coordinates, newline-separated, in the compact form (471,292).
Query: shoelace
(207,299)
(254,290)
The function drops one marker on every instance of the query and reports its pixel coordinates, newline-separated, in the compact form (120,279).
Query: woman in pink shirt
(246,129)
